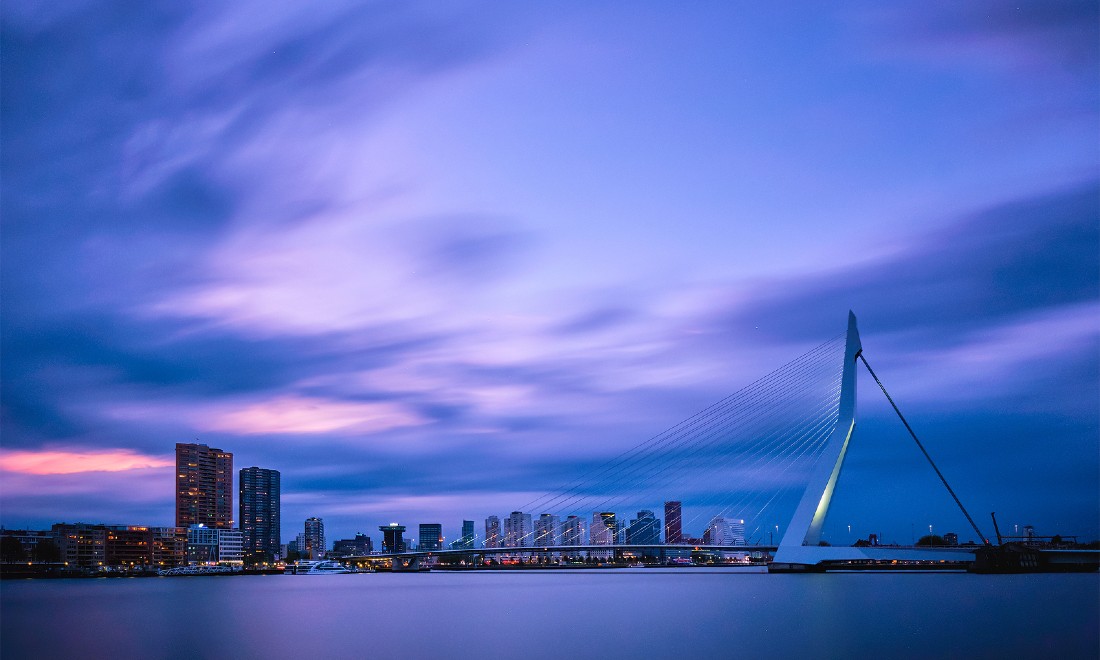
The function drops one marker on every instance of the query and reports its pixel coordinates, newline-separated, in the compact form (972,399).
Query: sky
(431,261)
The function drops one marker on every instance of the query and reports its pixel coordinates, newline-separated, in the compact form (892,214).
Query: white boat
(328,568)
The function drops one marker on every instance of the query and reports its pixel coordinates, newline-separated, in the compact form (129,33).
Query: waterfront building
(466,541)
(674,533)
(518,532)
(259,519)
(360,546)
(431,537)
(314,539)
(951,538)
(392,539)
(169,546)
(644,530)
(493,536)
(128,545)
(81,544)
(547,530)
(34,545)
(210,545)
(204,486)
(723,531)
(572,531)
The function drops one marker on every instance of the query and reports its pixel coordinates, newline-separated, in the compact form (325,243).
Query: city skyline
(432,279)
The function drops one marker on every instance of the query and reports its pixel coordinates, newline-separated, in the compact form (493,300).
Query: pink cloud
(72,462)
(306,415)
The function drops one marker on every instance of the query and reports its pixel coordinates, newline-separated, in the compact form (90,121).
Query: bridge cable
(925,452)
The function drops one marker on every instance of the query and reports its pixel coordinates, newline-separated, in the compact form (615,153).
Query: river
(532,615)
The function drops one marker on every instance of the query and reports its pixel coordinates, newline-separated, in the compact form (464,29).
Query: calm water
(644,613)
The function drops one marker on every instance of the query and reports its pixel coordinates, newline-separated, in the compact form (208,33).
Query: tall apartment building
(260,516)
(314,539)
(547,530)
(493,536)
(674,531)
(204,486)
(572,531)
(518,532)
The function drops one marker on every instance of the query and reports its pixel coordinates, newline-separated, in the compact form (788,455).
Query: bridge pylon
(799,550)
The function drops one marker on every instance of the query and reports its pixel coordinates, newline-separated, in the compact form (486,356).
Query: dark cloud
(1066,31)
(983,271)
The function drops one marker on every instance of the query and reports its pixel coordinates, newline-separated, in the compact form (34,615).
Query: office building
(314,539)
(493,536)
(725,532)
(644,530)
(674,532)
(392,537)
(204,486)
(360,546)
(604,530)
(518,532)
(210,545)
(431,537)
(466,541)
(259,518)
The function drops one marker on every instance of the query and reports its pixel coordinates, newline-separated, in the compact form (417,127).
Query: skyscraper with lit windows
(259,517)
(204,486)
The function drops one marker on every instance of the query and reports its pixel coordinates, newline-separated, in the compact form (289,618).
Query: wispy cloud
(56,461)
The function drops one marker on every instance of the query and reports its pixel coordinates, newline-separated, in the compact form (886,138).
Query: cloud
(72,462)
(987,269)
(306,416)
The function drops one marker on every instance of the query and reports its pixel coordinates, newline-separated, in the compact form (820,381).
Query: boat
(328,567)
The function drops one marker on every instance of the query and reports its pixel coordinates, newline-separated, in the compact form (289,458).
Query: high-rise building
(725,531)
(204,486)
(518,532)
(644,530)
(392,539)
(315,539)
(572,531)
(547,530)
(674,532)
(492,532)
(604,530)
(466,541)
(259,514)
(431,536)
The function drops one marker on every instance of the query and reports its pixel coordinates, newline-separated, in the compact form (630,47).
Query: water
(607,614)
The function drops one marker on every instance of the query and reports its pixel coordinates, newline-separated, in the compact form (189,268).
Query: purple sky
(433,260)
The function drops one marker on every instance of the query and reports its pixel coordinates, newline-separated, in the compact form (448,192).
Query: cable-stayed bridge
(763,463)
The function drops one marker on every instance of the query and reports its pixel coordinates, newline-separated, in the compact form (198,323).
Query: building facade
(467,540)
(204,486)
(360,546)
(314,539)
(431,536)
(493,536)
(674,532)
(644,530)
(572,531)
(518,531)
(547,530)
(210,545)
(393,539)
(260,514)
(604,530)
